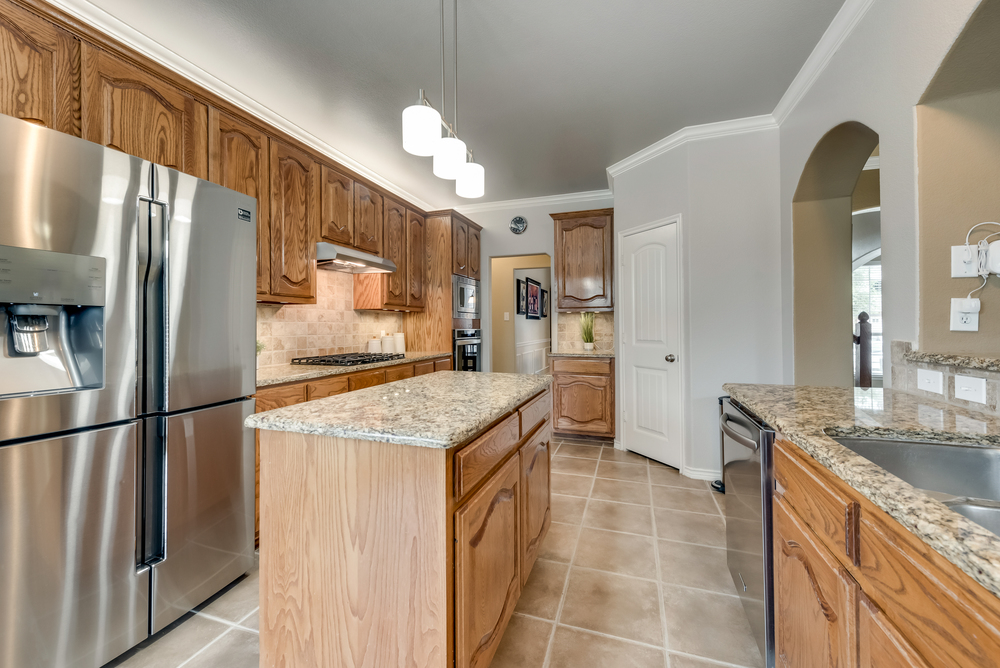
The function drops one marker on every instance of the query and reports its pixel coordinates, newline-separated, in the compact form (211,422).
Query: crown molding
(547,200)
(101,20)
(691,133)
(836,34)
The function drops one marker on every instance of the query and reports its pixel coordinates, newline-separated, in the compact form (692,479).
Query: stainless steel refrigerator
(127,334)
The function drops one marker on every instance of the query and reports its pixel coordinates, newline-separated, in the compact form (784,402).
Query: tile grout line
(562,599)
(714,662)
(200,651)
(659,584)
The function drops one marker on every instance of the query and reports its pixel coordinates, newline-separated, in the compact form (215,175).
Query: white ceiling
(551,91)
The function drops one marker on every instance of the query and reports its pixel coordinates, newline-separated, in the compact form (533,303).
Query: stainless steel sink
(958,470)
(984,513)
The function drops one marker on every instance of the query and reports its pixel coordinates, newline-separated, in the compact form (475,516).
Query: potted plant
(587,330)
(260,349)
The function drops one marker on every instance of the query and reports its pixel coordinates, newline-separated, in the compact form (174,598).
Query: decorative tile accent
(330,326)
(568,339)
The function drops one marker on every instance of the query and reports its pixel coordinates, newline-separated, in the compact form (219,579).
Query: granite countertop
(963,361)
(583,353)
(807,416)
(289,373)
(436,410)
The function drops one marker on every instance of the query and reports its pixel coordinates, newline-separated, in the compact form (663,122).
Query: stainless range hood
(351,261)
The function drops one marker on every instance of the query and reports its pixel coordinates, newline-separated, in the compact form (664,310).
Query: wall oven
(468,348)
(465,297)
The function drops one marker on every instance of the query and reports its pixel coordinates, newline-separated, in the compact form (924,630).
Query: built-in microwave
(465,297)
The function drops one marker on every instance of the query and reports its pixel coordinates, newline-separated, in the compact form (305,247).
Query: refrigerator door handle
(154,478)
(153,284)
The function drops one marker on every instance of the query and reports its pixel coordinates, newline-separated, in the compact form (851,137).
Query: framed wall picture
(522,296)
(534,309)
(545,303)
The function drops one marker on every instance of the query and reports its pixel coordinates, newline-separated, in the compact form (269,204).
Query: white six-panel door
(651,371)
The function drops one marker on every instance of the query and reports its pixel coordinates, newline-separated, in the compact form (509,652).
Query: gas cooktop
(349,359)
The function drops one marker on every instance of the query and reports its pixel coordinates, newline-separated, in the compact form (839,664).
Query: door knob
(670,358)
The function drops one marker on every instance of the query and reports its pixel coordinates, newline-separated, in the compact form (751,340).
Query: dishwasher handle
(739,438)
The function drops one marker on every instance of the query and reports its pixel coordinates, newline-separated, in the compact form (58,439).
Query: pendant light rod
(444,105)
(455,94)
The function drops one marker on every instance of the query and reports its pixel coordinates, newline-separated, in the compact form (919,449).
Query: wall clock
(518,224)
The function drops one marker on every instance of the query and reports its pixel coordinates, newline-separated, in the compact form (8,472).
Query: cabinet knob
(670,358)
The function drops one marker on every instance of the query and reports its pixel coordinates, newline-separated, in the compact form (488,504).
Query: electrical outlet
(959,267)
(970,388)
(962,320)
(930,381)
(506,315)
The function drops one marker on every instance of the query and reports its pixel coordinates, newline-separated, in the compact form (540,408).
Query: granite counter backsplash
(906,362)
(437,410)
(807,416)
(290,373)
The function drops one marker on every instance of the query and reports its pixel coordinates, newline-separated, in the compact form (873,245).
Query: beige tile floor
(633,574)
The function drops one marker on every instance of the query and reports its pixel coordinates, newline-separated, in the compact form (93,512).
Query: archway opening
(832,229)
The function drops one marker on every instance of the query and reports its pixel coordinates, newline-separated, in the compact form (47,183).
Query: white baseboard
(701,474)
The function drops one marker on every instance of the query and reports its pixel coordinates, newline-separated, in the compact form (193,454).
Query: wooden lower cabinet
(815,600)
(367,379)
(421,368)
(442,365)
(487,566)
(536,512)
(584,399)
(880,644)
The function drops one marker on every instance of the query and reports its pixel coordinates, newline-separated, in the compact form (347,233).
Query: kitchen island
(400,522)
(865,564)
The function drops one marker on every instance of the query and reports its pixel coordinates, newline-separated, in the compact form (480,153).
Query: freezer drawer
(208,509)
(70,593)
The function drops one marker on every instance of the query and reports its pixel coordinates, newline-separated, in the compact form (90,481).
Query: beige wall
(328,327)
(866,192)
(958,149)
(501,300)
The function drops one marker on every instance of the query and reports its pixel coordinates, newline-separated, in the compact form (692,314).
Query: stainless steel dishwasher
(747,444)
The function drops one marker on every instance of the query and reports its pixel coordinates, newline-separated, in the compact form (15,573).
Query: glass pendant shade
(421,130)
(449,156)
(471,181)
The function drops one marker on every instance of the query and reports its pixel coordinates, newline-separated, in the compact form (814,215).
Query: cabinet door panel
(487,567)
(536,513)
(238,159)
(39,71)
(367,219)
(337,199)
(815,601)
(474,250)
(394,248)
(880,643)
(416,253)
(459,247)
(584,404)
(130,110)
(584,262)
(294,211)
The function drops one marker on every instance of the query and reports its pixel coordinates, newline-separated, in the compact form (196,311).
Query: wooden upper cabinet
(238,157)
(294,222)
(459,247)
(475,235)
(39,71)
(815,600)
(487,566)
(133,111)
(394,236)
(337,220)
(584,245)
(416,254)
(367,219)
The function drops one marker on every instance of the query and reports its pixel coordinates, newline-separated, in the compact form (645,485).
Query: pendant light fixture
(422,125)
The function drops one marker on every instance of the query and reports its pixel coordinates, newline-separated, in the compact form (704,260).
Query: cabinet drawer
(828,512)
(278,397)
(398,373)
(443,364)
(421,368)
(326,387)
(564,365)
(367,379)
(536,411)
(476,460)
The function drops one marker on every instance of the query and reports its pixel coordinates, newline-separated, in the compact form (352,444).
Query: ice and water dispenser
(51,322)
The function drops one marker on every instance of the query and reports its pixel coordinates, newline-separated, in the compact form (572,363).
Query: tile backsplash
(906,362)
(329,326)
(569,332)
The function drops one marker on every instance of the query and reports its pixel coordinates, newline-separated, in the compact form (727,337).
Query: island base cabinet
(880,644)
(815,600)
(487,567)
(535,497)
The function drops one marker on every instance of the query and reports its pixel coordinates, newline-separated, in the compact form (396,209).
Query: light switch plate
(930,381)
(959,267)
(962,322)
(970,388)
(506,315)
